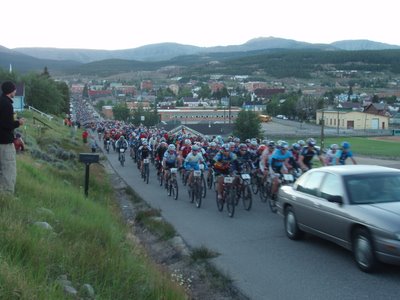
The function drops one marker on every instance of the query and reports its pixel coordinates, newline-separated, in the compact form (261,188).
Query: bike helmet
(284,145)
(296,146)
(243,146)
(195,148)
(261,148)
(144,143)
(171,147)
(301,143)
(311,142)
(213,144)
(226,147)
(271,144)
(334,147)
(188,142)
(345,145)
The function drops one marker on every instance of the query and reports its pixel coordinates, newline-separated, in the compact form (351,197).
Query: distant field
(385,146)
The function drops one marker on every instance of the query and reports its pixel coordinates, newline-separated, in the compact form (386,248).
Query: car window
(310,184)
(332,186)
(373,188)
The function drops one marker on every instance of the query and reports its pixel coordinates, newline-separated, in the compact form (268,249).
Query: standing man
(8,165)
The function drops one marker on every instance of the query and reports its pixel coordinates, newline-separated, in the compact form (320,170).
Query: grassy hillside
(57,244)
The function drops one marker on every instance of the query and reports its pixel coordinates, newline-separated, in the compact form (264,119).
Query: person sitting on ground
(19,143)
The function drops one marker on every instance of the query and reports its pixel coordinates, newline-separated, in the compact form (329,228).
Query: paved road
(256,254)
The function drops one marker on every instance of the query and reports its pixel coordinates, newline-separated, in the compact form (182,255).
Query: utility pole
(322,128)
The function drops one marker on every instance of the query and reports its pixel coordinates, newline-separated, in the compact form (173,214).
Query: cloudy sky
(123,24)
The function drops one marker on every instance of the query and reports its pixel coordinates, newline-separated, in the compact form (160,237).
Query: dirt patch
(392,138)
(201,280)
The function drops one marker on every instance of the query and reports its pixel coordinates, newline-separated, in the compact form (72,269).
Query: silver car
(354,206)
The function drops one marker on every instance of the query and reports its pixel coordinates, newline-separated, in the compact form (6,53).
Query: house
(377,109)
(19,99)
(345,119)
(254,106)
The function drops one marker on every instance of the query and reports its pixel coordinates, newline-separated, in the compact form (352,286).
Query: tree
(121,112)
(247,125)
(204,92)
(44,94)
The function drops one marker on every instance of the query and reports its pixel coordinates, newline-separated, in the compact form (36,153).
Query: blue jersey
(278,157)
(343,155)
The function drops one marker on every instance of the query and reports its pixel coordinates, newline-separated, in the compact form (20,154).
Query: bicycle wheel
(174,189)
(247,197)
(197,194)
(254,181)
(210,180)
(263,192)
(203,187)
(230,201)
(220,202)
(147,173)
(272,204)
(161,178)
(122,161)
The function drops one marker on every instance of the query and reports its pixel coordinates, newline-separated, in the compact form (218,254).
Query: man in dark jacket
(8,167)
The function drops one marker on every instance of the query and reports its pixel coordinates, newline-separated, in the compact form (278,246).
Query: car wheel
(292,229)
(363,250)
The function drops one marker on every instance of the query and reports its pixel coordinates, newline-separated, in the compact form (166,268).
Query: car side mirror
(336,199)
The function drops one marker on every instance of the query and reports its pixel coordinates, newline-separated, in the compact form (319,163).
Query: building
(344,119)
(199,115)
(19,99)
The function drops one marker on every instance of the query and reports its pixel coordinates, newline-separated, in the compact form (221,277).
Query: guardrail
(41,113)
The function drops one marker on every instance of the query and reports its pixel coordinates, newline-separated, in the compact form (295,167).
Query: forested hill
(277,63)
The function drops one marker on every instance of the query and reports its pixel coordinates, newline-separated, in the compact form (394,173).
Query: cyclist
(294,160)
(193,161)
(121,143)
(169,160)
(331,157)
(144,153)
(225,162)
(279,164)
(264,159)
(346,153)
(161,149)
(245,158)
(307,154)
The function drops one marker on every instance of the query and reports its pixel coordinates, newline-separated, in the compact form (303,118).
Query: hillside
(271,56)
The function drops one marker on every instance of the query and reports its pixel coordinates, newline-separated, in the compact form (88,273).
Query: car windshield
(373,188)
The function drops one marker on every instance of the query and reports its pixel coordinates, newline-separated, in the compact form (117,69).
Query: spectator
(8,165)
(19,143)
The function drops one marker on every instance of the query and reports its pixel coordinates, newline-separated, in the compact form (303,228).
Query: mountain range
(55,58)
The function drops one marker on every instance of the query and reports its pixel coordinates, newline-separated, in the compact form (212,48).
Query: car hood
(392,208)
(384,215)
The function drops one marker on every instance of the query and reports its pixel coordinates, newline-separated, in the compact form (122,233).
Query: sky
(124,24)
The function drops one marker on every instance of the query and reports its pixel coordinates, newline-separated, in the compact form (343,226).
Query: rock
(87,291)
(43,225)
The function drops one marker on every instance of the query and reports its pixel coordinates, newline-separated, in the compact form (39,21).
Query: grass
(202,253)
(366,146)
(88,242)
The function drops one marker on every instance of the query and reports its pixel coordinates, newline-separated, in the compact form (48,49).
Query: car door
(331,218)
(306,202)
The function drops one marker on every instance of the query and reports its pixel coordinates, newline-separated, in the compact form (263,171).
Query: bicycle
(197,187)
(146,170)
(244,191)
(121,156)
(284,179)
(228,196)
(108,146)
(173,183)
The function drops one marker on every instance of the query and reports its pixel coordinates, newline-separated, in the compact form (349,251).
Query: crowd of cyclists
(254,164)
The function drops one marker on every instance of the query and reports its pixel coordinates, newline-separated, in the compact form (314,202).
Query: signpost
(87,159)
